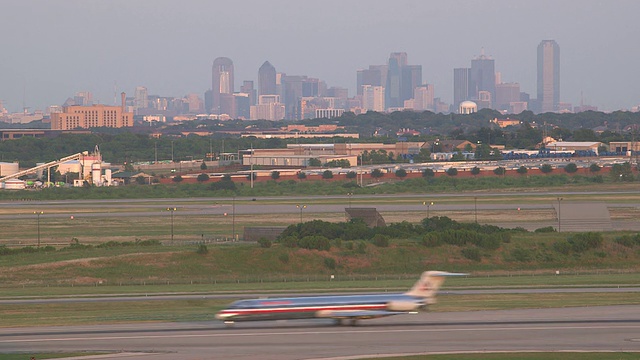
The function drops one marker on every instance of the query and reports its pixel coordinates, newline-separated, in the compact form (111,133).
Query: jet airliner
(341,308)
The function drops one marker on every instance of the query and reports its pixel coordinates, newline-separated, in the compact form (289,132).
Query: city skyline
(161,45)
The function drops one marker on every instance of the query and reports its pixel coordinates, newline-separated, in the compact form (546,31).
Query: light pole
(38,213)
(233,218)
(475,207)
(171,150)
(559,217)
(172,210)
(428,205)
(349,194)
(301,207)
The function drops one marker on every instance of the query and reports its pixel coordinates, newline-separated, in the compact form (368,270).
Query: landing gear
(350,322)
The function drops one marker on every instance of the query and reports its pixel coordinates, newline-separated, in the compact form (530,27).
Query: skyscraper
(402,79)
(267,79)
(482,77)
(548,75)
(222,83)
(460,86)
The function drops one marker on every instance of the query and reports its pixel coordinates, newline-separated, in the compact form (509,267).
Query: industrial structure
(89,166)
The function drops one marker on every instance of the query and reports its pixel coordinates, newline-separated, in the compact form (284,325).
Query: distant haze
(53,49)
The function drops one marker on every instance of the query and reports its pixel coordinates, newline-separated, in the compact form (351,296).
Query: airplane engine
(404,306)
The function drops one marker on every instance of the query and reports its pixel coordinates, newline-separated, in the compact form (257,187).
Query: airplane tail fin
(429,283)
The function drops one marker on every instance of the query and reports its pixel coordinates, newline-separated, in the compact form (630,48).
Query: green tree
(140,180)
(522,170)
(177,179)
(315,162)
(499,170)
(475,171)
(452,171)
(594,168)
(571,168)
(203,177)
(302,175)
(275,175)
(377,173)
(203,166)
(546,168)
(351,175)
(401,173)
(327,174)
(428,173)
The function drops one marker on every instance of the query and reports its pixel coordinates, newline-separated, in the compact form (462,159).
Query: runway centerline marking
(104,338)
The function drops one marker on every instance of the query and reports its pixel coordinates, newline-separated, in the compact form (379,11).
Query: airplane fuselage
(335,307)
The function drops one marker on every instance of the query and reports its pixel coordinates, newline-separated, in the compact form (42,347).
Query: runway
(609,328)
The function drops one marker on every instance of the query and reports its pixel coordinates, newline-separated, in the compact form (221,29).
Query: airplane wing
(356,314)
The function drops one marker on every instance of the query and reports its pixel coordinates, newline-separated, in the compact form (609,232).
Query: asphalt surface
(609,328)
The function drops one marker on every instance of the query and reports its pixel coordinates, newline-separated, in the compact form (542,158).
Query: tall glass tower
(548,75)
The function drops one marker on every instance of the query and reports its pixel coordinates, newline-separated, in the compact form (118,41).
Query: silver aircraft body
(339,307)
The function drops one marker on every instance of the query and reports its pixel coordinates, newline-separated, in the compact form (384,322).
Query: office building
(247,88)
(141,99)
(482,77)
(222,84)
(85,117)
(268,108)
(506,94)
(267,79)
(373,98)
(460,86)
(548,76)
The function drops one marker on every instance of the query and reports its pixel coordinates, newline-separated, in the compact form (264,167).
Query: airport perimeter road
(610,328)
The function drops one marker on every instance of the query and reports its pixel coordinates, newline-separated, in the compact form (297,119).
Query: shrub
(499,170)
(594,168)
(428,173)
(275,175)
(203,166)
(327,174)
(471,254)
(351,175)
(202,249)
(315,243)
(361,248)
(348,245)
(452,171)
(562,246)
(380,240)
(202,177)
(264,242)
(522,170)
(377,173)
(585,241)
(628,240)
(475,170)
(546,229)
(432,240)
(177,178)
(571,168)
(330,263)
(302,175)
(223,185)
(284,258)
(290,241)
(522,255)
(401,173)
(546,168)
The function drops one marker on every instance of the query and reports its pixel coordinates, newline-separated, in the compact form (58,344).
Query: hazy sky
(52,49)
